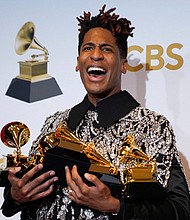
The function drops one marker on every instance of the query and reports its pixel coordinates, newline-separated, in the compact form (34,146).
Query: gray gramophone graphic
(33,82)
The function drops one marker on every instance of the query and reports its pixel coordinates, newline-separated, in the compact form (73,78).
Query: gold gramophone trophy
(133,177)
(13,135)
(33,83)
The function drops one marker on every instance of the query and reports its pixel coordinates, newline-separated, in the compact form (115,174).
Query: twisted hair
(120,27)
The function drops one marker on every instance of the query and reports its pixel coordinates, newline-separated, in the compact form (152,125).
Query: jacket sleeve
(9,207)
(175,206)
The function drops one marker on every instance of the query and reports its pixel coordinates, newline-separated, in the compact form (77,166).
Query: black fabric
(109,110)
(9,207)
(175,206)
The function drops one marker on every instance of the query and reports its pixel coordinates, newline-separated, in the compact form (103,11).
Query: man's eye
(106,49)
(87,48)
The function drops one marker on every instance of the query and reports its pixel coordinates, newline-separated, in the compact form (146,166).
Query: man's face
(100,64)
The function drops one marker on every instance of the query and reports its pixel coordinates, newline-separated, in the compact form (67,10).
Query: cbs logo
(154,59)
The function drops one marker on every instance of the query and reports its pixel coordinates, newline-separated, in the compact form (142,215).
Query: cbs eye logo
(154,57)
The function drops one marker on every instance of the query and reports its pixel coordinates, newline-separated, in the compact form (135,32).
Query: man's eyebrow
(88,43)
(99,45)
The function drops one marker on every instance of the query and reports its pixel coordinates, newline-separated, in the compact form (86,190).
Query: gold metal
(26,39)
(15,135)
(33,71)
(140,167)
(136,165)
(63,137)
(133,164)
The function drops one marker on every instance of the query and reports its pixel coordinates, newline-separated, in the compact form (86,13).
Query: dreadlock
(120,27)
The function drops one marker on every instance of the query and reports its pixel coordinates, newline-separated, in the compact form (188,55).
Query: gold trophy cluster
(135,165)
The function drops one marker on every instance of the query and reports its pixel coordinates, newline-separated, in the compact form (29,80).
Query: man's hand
(28,189)
(97,197)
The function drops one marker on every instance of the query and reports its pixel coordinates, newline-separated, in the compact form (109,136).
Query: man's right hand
(28,189)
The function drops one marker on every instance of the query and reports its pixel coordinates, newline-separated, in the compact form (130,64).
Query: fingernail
(52,173)
(40,166)
(55,179)
(86,175)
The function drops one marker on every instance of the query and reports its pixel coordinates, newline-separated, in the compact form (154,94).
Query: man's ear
(77,67)
(124,66)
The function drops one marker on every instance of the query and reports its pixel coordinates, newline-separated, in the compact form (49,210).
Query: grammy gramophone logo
(33,82)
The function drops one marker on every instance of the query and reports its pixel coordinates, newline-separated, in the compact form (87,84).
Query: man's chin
(98,94)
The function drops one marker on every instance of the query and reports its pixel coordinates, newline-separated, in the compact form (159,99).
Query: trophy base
(144,190)
(113,183)
(28,91)
(57,158)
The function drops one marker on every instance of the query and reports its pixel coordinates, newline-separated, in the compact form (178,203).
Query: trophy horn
(26,39)
(15,135)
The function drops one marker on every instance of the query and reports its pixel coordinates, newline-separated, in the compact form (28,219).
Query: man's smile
(96,71)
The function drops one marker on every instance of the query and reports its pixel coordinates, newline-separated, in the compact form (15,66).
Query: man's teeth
(95,69)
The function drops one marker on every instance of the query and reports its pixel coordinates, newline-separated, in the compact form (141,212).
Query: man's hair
(120,27)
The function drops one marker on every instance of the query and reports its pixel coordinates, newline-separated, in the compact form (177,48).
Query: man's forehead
(99,35)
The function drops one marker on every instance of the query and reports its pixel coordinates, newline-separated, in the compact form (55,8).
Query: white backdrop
(159,60)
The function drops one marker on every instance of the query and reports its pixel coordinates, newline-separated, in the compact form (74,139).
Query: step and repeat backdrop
(158,62)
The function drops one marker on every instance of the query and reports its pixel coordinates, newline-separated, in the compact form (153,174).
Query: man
(105,116)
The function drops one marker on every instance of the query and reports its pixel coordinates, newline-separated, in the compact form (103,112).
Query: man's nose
(97,54)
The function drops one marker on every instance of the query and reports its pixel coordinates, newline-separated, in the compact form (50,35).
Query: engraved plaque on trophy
(33,82)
